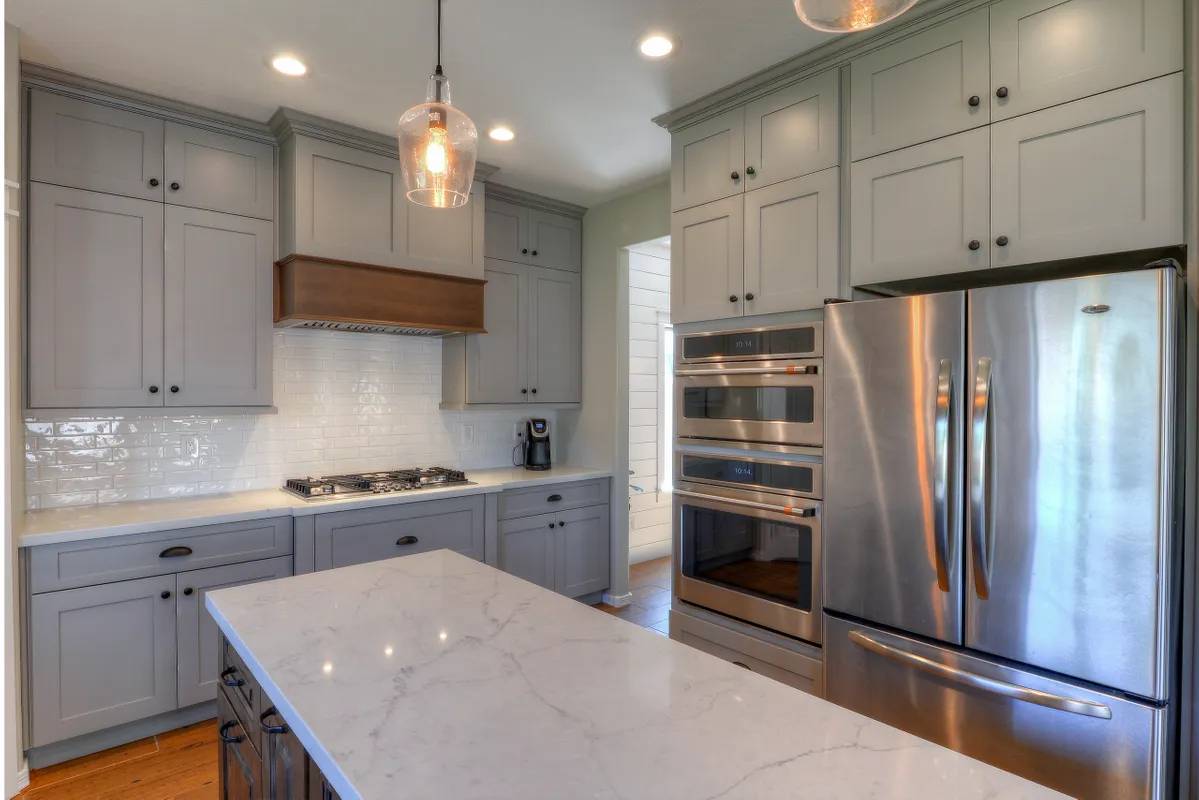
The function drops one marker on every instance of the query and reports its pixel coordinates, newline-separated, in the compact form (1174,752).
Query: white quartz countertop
(54,526)
(436,676)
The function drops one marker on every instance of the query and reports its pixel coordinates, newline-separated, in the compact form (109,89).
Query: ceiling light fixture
(656,46)
(438,145)
(847,16)
(501,133)
(289,65)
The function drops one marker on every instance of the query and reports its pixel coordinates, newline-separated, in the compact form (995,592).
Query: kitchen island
(436,676)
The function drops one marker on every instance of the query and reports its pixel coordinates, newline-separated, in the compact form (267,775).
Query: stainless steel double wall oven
(749,411)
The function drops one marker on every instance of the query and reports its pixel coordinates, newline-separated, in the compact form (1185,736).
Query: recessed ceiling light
(656,46)
(501,133)
(289,65)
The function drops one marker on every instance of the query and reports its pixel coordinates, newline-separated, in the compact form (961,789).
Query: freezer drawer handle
(941,428)
(794,511)
(980,486)
(981,682)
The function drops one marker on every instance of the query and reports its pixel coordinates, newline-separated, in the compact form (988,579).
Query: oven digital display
(786,477)
(789,341)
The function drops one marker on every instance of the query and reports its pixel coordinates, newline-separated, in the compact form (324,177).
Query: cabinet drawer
(372,534)
(555,497)
(240,769)
(86,563)
(242,691)
(800,670)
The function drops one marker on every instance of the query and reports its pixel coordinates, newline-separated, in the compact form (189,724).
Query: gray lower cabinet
(372,534)
(199,651)
(101,656)
(566,551)
(527,549)
(240,765)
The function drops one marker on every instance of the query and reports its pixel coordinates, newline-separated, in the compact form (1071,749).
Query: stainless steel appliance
(1001,560)
(756,385)
(537,444)
(400,480)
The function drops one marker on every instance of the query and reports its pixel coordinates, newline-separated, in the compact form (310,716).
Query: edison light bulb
(435,156)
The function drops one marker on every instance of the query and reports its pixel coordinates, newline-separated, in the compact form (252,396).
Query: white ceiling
(565,74)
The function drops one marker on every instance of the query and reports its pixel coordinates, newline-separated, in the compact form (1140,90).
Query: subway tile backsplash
(346,402)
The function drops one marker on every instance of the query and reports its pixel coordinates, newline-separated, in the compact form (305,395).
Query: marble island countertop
(435,676)
(54,526)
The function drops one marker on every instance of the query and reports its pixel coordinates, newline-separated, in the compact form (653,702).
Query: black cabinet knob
(533,253)
(749,296)
(732,298)
(750,171)
(153,390)
(524,251)
(153,182)
(974,101)
(534,391)
(735,175)
(174,390)
(974,244)
(166,595)
(561,524)
(1001,241)
(174,186)
(1001,91)
(189,591)
(551,524)
(524,391)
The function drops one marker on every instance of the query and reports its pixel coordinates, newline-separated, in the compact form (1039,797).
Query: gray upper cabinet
(90,146)
(507,230)
(497,361)
(921,87)
(198,636)
(1045,52)
(554,240)
(102,656)
(554,336)
(218,294)
(95,299)
(219,172)
(446,240)
(1093,176)
(707,275)
(792,132)
(371,534)
(707,160)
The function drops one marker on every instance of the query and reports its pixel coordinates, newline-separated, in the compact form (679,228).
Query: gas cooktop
(399,480)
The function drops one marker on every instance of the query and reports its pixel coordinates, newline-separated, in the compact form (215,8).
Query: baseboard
(22,778)
(618,600)
(648,552)
(57,752)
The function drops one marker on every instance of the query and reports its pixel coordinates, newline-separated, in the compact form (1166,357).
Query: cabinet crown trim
(540,202)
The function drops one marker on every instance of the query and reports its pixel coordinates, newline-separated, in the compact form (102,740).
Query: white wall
(595,435)
(649,305)
(346,402)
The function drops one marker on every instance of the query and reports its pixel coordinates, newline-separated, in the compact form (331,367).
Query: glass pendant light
(847,16)
(438,145)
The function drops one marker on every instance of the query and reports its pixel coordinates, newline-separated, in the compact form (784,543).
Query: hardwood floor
(182,764)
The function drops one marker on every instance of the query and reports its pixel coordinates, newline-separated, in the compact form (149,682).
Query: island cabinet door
(527,548)
(372,534)
(101,656)
(285,764)
(582,551)
(240,769)
(199,639)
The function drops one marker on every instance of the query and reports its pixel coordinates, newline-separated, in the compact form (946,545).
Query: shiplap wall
(649,299)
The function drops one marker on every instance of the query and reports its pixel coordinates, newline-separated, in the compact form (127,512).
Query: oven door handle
(807,369)
(791,511)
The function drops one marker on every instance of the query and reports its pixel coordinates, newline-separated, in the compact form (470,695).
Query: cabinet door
(792,132)
(920,211)
(791,250)
(218,308)
(1045,52)
(1094,176)
(88,146)
(199,639)
(554,336)
(706,160)
(349,204)
(582,551)
(101,656)
(372,534)
(219,172)
(286,764)
(448,241)
(555,240)
(506,231)
(95,299)
(497,361)
(239,768)
(921,87)
(527,549)
(707,272)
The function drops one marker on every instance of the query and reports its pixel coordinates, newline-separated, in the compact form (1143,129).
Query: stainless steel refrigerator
(1002,524)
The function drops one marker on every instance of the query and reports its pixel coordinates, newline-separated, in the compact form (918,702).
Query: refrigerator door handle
(982,683)
(980,484)
(941,423)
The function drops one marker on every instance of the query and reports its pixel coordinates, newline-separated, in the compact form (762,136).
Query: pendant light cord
(438,37)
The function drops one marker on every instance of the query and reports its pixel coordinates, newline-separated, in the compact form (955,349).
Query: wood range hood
(326,293)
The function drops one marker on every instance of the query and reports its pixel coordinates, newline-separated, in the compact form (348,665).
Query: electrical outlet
(518,432)
(192,445)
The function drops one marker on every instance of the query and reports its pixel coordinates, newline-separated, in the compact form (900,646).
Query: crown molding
(829,55)
(108,94)
(287,122)
(539,201)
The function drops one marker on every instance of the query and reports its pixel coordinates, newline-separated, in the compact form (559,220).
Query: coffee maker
(537,444)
